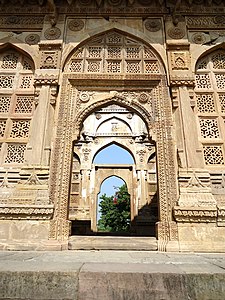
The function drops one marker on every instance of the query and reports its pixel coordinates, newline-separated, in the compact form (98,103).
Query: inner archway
(114,215)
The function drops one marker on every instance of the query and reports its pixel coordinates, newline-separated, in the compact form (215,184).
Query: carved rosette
(52,33)
(76,25)
(176,33)
(32,39)
(153,25)
(84,97)
(198,38)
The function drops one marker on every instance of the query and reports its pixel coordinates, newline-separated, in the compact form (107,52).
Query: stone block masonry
(111,275)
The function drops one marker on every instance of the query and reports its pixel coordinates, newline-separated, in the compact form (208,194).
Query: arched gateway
(114,91)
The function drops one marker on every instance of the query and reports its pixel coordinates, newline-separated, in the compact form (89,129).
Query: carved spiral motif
(219,19)
(84,97)
(143,98)
(52,33)
(153,25)
(143,2)
(198,38)
(114,2)
(176,33)
(76,25)
(13,20)
(84,2)
(32,39)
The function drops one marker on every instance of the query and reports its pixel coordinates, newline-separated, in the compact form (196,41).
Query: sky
(113,155)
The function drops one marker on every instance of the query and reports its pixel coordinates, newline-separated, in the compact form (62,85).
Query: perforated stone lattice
(114,53)
(15,153)
(209,128)
(213,155)
(210,78)
(14,105)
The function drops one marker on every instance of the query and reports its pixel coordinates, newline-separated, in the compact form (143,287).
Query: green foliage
(115,211)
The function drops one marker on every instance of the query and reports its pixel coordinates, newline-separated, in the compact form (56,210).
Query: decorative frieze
(21,212)
(46,80)
(195,214)
(221,216)
(21,22)
(178,80)
(205,22)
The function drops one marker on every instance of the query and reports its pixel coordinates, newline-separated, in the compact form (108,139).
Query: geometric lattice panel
(24,104)
(220,80)
(209,128)
(213,155)
(6,81)
(4,103)
(218,61)
(210,76)
(20,128)
(205,103)
(9,61)
(15,153)
(16,104)
(2,127)
(222,102)
(203,81)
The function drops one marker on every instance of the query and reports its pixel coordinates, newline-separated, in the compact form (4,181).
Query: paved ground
(103,275)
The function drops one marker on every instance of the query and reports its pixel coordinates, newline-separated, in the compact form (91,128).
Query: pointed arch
(11,47)
(80,56)
(109,177)
(140,110)
(204,53)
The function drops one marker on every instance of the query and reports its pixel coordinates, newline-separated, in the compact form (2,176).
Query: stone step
(112,243)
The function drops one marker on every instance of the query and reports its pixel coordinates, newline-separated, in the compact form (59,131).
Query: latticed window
(210,98)
(16,105)
(114,53)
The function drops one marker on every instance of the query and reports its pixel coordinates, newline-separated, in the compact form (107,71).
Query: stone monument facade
(79,75)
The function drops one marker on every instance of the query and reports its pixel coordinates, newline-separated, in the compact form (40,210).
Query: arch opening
(113,213)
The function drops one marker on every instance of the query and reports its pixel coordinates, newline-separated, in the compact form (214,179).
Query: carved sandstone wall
(61,62)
